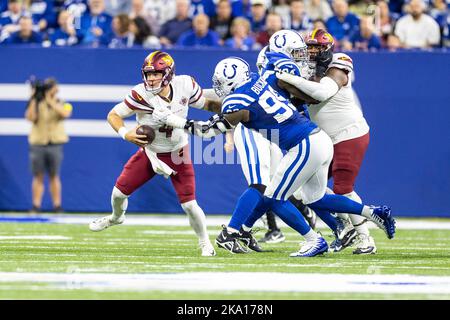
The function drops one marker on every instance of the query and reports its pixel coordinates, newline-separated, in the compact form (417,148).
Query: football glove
(216,125)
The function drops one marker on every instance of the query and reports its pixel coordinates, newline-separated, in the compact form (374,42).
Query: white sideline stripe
(74,127)
(242,281)
(35,238)
(69,92)
(211,221)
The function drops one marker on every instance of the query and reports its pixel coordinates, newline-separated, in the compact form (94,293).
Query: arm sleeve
(196,100)
(211,95)
(123,111)
(320,91)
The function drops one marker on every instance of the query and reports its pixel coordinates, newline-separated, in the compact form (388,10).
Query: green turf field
(173,250)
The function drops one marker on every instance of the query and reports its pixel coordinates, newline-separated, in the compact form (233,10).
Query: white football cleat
(207,248)
(365,245)
(312,248)
(103,223)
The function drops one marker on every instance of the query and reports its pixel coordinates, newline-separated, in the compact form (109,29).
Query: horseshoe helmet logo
(276,41)
(233,67)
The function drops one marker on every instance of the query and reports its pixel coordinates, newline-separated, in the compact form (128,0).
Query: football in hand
(146,131)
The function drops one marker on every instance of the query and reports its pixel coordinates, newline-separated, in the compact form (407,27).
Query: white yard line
(211,221)
(239,281)
(40,237)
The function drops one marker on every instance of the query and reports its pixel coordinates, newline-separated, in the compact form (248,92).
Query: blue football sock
(337,203)
(290,215)
(259,210)
(326,217)
(248,201)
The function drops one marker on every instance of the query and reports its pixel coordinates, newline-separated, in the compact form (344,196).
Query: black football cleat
(229,241)
(249,240)
(273,236)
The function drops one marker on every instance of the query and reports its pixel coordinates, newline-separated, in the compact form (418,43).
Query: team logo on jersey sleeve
(344,58)
(183,101)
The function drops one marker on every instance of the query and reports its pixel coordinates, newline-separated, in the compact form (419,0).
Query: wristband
(122,132)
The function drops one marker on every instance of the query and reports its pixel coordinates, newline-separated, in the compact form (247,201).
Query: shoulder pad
(341,61)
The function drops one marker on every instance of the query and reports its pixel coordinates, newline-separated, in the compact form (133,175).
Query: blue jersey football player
(250,100)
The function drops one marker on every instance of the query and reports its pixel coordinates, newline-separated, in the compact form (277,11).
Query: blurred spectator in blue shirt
(221,23)
(172,29)
(200,35)
(77,9)
(241,39)
(65,34)
(240,8)
(25,35)
(440,13)
(298,19)
(257,17)
(9,20)
(396,6)
(43,14)
(207,7)
(365,39)
(122,37)
(96,26)
(3,5)
(343,23)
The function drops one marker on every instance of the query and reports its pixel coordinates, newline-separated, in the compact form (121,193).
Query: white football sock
(232,230)
(197,219)
(357,221)
(311,235)
(119,203)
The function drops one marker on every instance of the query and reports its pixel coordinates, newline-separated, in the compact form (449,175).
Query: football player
(249,99)
(337,113)
(168,154)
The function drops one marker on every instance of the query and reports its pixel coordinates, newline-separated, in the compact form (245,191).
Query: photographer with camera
(46,139)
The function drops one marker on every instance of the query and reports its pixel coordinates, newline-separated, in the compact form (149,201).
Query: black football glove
(323,60)
(217,124)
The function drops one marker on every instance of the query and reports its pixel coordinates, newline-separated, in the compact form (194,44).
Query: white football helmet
(262,59)
(291,44)
(229,74)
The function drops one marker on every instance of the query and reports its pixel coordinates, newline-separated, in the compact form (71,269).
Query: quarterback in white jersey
(339,115)
(168,153)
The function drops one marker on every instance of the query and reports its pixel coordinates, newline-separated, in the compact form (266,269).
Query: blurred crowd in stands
(360,25)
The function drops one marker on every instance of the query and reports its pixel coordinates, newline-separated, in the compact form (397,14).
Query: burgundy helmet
(322,39)
(158,62)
